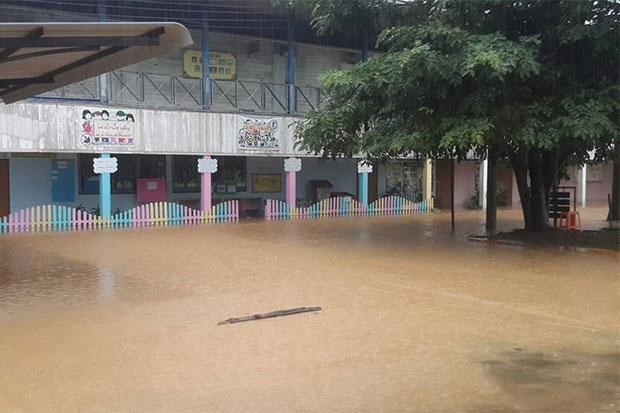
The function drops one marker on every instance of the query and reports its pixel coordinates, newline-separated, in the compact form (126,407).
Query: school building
(159,117)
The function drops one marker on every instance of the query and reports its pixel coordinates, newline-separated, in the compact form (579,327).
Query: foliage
(538,81)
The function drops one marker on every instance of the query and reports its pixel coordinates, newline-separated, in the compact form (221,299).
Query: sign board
(364,167)
(292,165)
(258,134)
(207,166)
(222,66)
(107,128)
(63,180)
(105,165)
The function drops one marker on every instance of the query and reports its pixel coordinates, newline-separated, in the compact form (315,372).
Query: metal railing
(85,90)
(174,92)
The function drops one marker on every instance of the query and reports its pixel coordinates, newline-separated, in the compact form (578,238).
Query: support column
(103,78)
(364,168)
(290,78)
(491,187)
(427,183)
(584,184)
(207,94)
(452,218)
(206,167)
(484,170)
(291,167)
(291,189)
(105,191)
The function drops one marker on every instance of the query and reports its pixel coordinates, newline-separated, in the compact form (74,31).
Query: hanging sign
(105,165)
(258,134)
(364,167)
(107,127)
(207,166)
(292,165)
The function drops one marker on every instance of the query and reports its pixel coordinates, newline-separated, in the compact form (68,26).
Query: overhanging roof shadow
(38,57)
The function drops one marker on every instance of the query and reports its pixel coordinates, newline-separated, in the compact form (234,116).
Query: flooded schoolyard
(413,318)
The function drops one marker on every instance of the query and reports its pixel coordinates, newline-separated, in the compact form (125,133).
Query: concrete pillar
(103,78)
(364,168)
(206,167)
(290,78)
(207,94)
(291,167)
(584,181)
(427,179)
(105,191)
(484,171)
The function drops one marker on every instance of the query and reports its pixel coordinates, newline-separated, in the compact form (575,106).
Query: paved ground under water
(414,319)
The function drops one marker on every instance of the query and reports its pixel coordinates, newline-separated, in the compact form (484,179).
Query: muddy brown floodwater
(413,319)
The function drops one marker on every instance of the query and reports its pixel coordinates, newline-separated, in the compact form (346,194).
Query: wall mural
(107,128)
(258,134)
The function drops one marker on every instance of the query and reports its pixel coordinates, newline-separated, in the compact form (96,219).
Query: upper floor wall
(93,128)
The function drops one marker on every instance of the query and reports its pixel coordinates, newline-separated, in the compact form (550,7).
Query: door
(443,182)
(4,187)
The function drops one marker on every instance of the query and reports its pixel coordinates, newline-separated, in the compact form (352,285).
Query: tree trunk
(614,210)
(539,197)
(540,168)
(519,166)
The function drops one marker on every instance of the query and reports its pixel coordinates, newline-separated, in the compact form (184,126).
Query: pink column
(205,190)
(291,189)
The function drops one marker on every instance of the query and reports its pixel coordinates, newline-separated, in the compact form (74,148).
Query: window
(231,175)
(404,178)
(185,176)
(152,166)
(130,167)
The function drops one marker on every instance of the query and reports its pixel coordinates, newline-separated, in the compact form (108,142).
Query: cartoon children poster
(107,127)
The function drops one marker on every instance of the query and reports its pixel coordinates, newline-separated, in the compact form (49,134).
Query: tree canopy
(536,81)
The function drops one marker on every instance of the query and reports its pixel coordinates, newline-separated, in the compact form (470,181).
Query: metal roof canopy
(38,57)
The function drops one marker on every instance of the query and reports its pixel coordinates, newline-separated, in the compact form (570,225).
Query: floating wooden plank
(272,314)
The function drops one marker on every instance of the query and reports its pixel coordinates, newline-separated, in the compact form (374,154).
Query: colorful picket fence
(346,206)
(62,218)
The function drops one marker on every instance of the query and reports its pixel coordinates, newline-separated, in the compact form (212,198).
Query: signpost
(105,166)
(206,167)
(291,167)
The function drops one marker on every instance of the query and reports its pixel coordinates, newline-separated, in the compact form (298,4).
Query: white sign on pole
(207,166)
(105,165)
(292,165)
(364,167)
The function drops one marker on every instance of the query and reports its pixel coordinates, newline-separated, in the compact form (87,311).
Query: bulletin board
(266,183)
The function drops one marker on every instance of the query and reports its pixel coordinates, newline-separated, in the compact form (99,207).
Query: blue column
(290,78)
(364,47)
(103,78)
(363,189)
(207,96)
(105,192)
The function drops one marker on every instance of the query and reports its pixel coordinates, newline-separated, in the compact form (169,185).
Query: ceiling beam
(49,52)
(81,41)
(155,33)
(25,81)
(8,51)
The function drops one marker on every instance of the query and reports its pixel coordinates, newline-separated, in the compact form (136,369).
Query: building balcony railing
(163,91)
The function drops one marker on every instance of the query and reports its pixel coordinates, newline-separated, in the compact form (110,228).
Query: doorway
(4,188)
